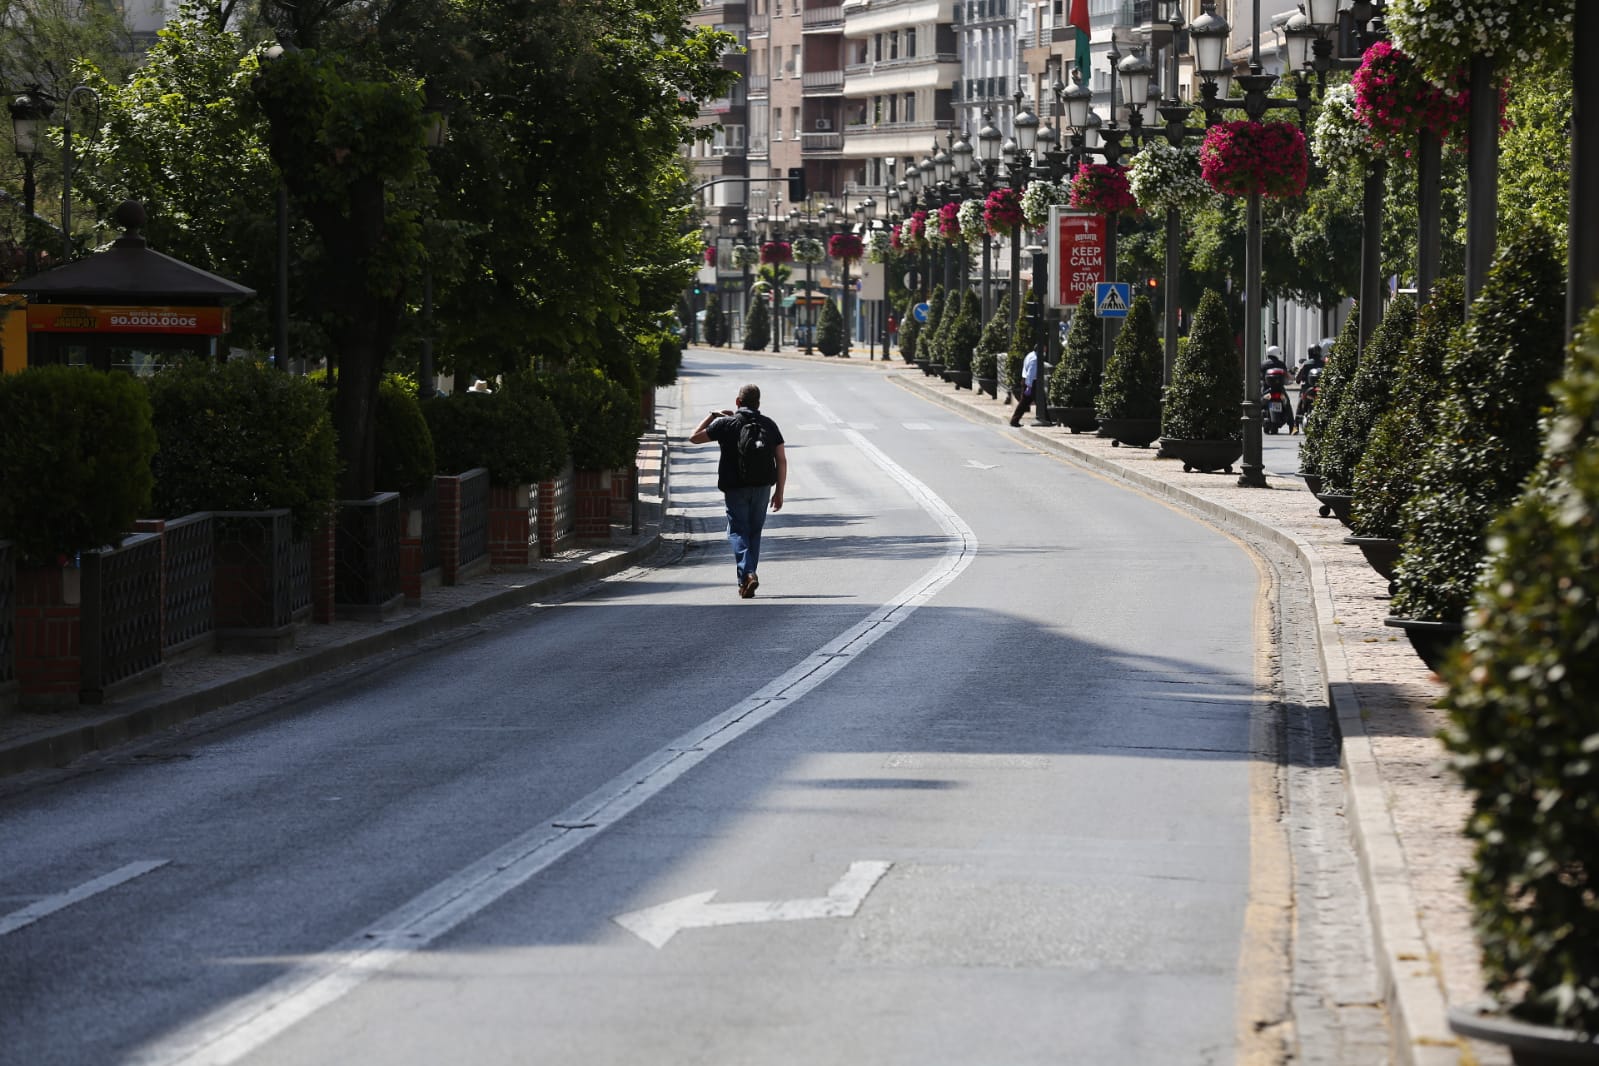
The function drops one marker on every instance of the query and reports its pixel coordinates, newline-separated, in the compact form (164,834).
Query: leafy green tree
(910,332)
(1131,386)
(993,342)
(1075,382)
(963,335)
(1363,401)
(1022,340)
(926,342)
(1207,379)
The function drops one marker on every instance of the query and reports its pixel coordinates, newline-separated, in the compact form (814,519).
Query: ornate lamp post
(988,142)
(29,113)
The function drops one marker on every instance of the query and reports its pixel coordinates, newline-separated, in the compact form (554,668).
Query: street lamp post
(988,142)
(29,113)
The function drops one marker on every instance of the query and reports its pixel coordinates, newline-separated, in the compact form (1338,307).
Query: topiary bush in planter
(1487,440)
(1523,702)
(602,422)
(992,342)
(757,324)
(668,358)
(926,345)
(910,332)
(963,335)
(1075,382)
(243,436)
(75,447)
(1131,387)
(830,331)
(1386,477)
(1366,397)
(1022,340)
(1202,402)
(1339,369)
(516,433)
(715,322)
(405,459)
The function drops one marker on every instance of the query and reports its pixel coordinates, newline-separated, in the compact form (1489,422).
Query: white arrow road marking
(234,1030)
(62,900)
(975,465)
(658,924)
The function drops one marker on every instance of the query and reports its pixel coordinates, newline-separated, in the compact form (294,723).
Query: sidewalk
(194,685)
(1405,809)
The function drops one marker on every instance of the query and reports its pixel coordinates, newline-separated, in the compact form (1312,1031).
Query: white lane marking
(920,426)
(658,924)
(229,1033)
(810,427)
(975,465)
(864,427)
(62,900)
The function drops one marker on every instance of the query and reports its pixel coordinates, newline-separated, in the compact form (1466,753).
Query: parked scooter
(1309,392)
(1275,411)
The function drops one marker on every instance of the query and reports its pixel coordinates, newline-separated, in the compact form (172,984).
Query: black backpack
(757,451)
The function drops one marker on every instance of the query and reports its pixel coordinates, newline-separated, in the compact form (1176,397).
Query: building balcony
(823,83)
(823,19)
(759,84)
(887,66)
(812,144)
(759,25)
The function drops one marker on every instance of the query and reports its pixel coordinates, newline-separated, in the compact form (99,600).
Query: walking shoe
(751,583)
(743,588)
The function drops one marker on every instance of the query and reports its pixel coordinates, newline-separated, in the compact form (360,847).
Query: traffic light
(796,184)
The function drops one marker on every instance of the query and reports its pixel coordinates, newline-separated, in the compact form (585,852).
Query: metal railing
(823,17)
(261,570)
(366,552)
(822,142)
(474,516)
(557,510)
(188,582)
(822,79)
(121,614)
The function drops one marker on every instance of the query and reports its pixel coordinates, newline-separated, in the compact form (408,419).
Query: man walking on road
(1029,383)
(750,475)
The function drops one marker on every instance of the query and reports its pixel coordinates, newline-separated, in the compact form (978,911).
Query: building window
(877,48)
(777,123)
(910,107)
(893,44)
(910,43)
(796,65)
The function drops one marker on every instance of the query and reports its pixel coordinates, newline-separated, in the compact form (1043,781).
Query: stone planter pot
(935,370)
(1382,553)
(988,386)
(1431,641)
(1203,455)
(1338,505)
(1076,419)
(923,365)
(961,379)
(1133,432)
(1313,483)
(1528,1044)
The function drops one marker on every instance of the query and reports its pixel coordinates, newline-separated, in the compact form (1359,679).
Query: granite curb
(50,747)
(1415,1000)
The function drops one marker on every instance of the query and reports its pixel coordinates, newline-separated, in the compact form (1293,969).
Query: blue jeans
(746,514)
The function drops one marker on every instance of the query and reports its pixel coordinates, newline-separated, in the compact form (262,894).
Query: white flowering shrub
(878,245)
(1162,176)
(1339,140)
(1039,197)
(1443,35)
(971,220)
(809,250)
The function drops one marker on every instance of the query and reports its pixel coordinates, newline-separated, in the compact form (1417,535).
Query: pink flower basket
(710,255)
(1395,102)
(1102,188)
(845,246)
(777,252)
(893,239)
(949,223)
(919,228)
(1003,211)
(1239,158)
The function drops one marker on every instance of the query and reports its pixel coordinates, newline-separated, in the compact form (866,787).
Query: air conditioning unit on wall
(824,124)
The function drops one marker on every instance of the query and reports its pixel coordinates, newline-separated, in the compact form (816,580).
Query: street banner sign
(1077,243)
(1111,299)
(873,283)
(920,312)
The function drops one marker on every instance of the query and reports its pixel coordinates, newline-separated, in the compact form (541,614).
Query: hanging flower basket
(880,243)
(1003,211)
(1243,157)
(896,236)
(1102,189)
(1395,101)
(845,246)
(808,250)
(970,218)
(743,256)
(917,225)
(1039,197)
(1444,35)
(1163,176)
(1340,141)
(710,255)
(949,223)
(776,252)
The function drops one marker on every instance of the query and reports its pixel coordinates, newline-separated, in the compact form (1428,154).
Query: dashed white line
(62,900)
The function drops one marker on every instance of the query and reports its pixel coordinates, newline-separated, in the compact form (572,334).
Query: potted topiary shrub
(1128,405)
(602,433)
(715,322)
(910,331)
(1199,419)
(961,340)
(985,358)
(1341,363)
(1386,477)
(757,324)
(1022,340)
(1074,386)
(1523,703)
(830,333)
(1360,402)
(76,447)
(927,355)
(1486,441)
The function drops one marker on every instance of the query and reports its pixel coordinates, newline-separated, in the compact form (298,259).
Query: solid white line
(232,1032)
(50,904)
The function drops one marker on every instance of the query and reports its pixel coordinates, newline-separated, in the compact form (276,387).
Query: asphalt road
(976,763)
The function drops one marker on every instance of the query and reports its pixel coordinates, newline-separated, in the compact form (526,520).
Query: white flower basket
(1443,35)
(1162,176)
(1039,197)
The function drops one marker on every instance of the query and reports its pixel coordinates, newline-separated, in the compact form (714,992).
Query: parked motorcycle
(1274,409)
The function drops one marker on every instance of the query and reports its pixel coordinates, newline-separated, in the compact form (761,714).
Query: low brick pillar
(591,504)
(49,635)
(513,526)
(623,485)
(411,555)
(324,556)
(449,528)
(556,521)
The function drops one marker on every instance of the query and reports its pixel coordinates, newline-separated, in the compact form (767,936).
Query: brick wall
(557,521)
(449,528)
(592,504)
(513,526)
(324,556)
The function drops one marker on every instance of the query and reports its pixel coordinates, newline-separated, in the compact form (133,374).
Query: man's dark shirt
(724,431)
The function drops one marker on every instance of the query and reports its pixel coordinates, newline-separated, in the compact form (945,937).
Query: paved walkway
(1404,809)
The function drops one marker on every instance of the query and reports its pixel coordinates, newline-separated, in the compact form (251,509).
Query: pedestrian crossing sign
(1111,299)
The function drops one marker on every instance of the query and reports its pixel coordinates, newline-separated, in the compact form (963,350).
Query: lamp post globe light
(29,113)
